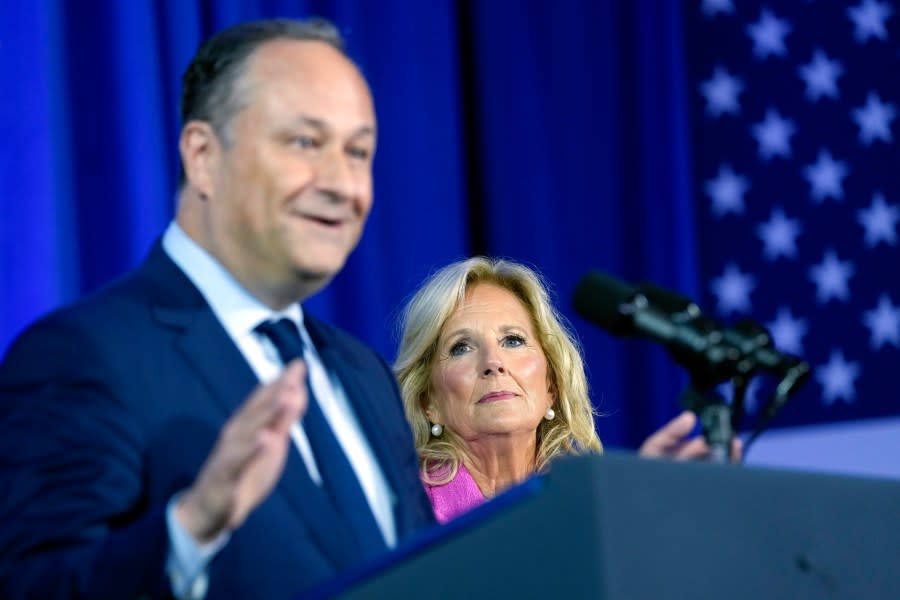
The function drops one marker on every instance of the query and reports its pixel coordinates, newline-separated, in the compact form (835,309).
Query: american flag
(794,112)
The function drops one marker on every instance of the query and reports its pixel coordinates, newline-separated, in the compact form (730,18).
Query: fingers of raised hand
(290,396)
(248,456)
(262,425)
(270,405)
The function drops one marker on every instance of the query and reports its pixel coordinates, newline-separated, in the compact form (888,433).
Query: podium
(619,527)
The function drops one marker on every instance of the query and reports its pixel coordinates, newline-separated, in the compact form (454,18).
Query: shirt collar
(238,310)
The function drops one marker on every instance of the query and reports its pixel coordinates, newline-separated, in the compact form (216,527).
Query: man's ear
(200,149)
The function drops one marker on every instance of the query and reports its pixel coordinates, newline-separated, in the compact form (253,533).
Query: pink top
(459,495)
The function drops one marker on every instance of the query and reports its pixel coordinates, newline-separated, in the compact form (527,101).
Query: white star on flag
(837,378)
(869,20)
(832,277)
(727,190)
(826,177)
(773,135)
(768,35)
(820,76)
(883,323)
(787,331)
(721,92)
(874,120)
(733,289)
(779,235)
(879,221)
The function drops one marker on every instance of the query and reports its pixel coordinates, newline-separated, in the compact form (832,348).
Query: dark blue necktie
(338,479)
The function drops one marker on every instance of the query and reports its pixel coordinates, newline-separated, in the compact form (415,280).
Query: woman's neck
(498,463)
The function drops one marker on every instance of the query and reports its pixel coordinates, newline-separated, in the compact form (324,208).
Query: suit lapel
(213,356)
(201,340)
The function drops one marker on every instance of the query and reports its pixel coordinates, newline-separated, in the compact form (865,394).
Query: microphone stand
(720,361)
(715,417)
(720,420)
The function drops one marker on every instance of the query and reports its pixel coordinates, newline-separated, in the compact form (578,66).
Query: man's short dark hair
(210,90)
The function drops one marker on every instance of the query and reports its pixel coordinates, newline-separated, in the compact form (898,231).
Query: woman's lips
(496,396)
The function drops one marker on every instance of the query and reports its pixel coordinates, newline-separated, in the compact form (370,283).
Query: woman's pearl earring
(550,414)
(437,429)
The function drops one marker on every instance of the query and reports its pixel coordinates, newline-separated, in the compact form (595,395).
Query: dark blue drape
(581,163)
(553,136)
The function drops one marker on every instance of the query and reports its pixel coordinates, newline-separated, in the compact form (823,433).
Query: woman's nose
(493,363)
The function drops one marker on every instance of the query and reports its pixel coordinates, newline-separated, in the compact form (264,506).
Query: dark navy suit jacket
(109,407)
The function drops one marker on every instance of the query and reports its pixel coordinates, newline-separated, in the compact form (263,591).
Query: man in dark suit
(188,430)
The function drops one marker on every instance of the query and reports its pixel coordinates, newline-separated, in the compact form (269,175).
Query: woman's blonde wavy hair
(421,321)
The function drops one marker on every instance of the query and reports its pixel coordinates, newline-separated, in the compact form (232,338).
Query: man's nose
(335,177)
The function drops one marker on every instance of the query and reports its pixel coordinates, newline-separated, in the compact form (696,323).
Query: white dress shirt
(239,313)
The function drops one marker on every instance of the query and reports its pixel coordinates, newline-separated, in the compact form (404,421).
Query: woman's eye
(459,348)
(513,341)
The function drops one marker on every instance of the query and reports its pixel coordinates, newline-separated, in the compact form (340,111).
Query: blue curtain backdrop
(561,134)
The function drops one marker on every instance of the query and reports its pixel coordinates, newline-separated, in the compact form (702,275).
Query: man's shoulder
(109,304)
(119,309)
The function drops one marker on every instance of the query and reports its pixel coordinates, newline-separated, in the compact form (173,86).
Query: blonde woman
(494,385)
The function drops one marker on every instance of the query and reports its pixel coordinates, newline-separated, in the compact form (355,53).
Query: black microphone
(711,353)
(693,340)
(757,350)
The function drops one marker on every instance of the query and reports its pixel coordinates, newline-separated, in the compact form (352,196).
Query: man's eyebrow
(310,122)
(322,125)
(365,130)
